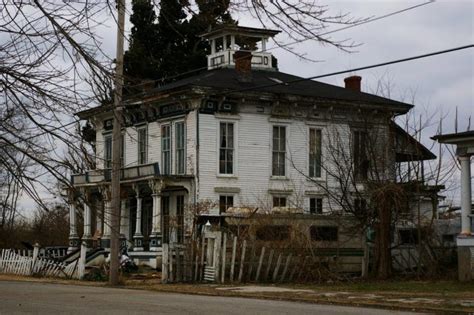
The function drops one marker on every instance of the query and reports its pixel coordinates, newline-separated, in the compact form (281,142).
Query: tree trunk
(383,257)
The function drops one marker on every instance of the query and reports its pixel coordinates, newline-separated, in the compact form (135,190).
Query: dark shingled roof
(227,79)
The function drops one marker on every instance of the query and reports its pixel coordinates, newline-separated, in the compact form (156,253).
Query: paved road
(43,298)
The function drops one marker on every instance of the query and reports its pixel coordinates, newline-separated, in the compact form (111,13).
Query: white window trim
(317,196)
(236,148)
(287,152)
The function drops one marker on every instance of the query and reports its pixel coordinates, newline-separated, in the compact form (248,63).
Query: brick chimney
(243,65)
(353,83)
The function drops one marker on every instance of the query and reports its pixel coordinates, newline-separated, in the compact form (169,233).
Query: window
(279,151)
(166,149)
(142,145)
(324,233)
(361,163)
(226,148)
(315,205)
(108,151)
(408,236)
(273,233)
(360,206)
(180,148)
(279,202)
(180,217)
(225,202)
(314,152)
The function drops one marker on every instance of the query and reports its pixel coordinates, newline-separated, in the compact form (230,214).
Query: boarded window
(225,202)
(180,148)
(226,148)
(324,233)
(279,151)
(315,153)
(241,231)
(166,149)
(273,233)
(315,205)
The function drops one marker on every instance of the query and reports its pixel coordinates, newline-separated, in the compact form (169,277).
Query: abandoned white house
(241,134)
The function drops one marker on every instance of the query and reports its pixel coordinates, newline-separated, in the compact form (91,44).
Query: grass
(399,286)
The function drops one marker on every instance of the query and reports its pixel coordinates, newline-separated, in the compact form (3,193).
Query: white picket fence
(13,263)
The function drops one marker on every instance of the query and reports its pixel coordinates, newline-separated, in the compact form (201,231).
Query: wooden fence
(12,262)
(217,259)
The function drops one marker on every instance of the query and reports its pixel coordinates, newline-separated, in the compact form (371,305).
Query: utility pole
(116,136)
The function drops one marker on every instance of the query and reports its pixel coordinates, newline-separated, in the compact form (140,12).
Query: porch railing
(126,173)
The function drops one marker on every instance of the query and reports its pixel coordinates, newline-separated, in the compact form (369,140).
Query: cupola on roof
(228,39)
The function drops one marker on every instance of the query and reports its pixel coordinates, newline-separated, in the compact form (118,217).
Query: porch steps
(209,274)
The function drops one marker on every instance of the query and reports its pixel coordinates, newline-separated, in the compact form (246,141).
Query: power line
(296,80)
(353,69)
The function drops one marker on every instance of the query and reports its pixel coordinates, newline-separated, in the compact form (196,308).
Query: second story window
(361,163)
(314,153)
(279,201)
(166,149)
(108,151)
(142,145)
(180,148)
(279,151)
(226,148)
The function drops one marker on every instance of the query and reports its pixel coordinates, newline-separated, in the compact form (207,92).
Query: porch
(153,211)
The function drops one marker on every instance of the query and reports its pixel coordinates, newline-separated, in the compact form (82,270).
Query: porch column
(465,162)
(87,236)
(124,223)
(73,237)
(138,237)
(155,237)
(105,240)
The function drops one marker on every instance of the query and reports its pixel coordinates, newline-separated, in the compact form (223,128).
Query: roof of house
(275,82)
(241,30)
(455,138)
(227,82)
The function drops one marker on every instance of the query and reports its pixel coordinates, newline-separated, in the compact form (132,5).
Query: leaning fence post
(36,248)
(82,261)
(242,261)
(164,262)
(223,254)
(260,263)
(232,264)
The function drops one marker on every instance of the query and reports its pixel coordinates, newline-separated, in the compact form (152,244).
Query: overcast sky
(438,84)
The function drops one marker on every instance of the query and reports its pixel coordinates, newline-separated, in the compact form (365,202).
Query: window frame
(180,169)
(359,154)
(166,157)
(140,142)
(316,237)
(226,202)
(279,204)
(312,159)
(107,150)
(279,151)
(233,148)
(318,204)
